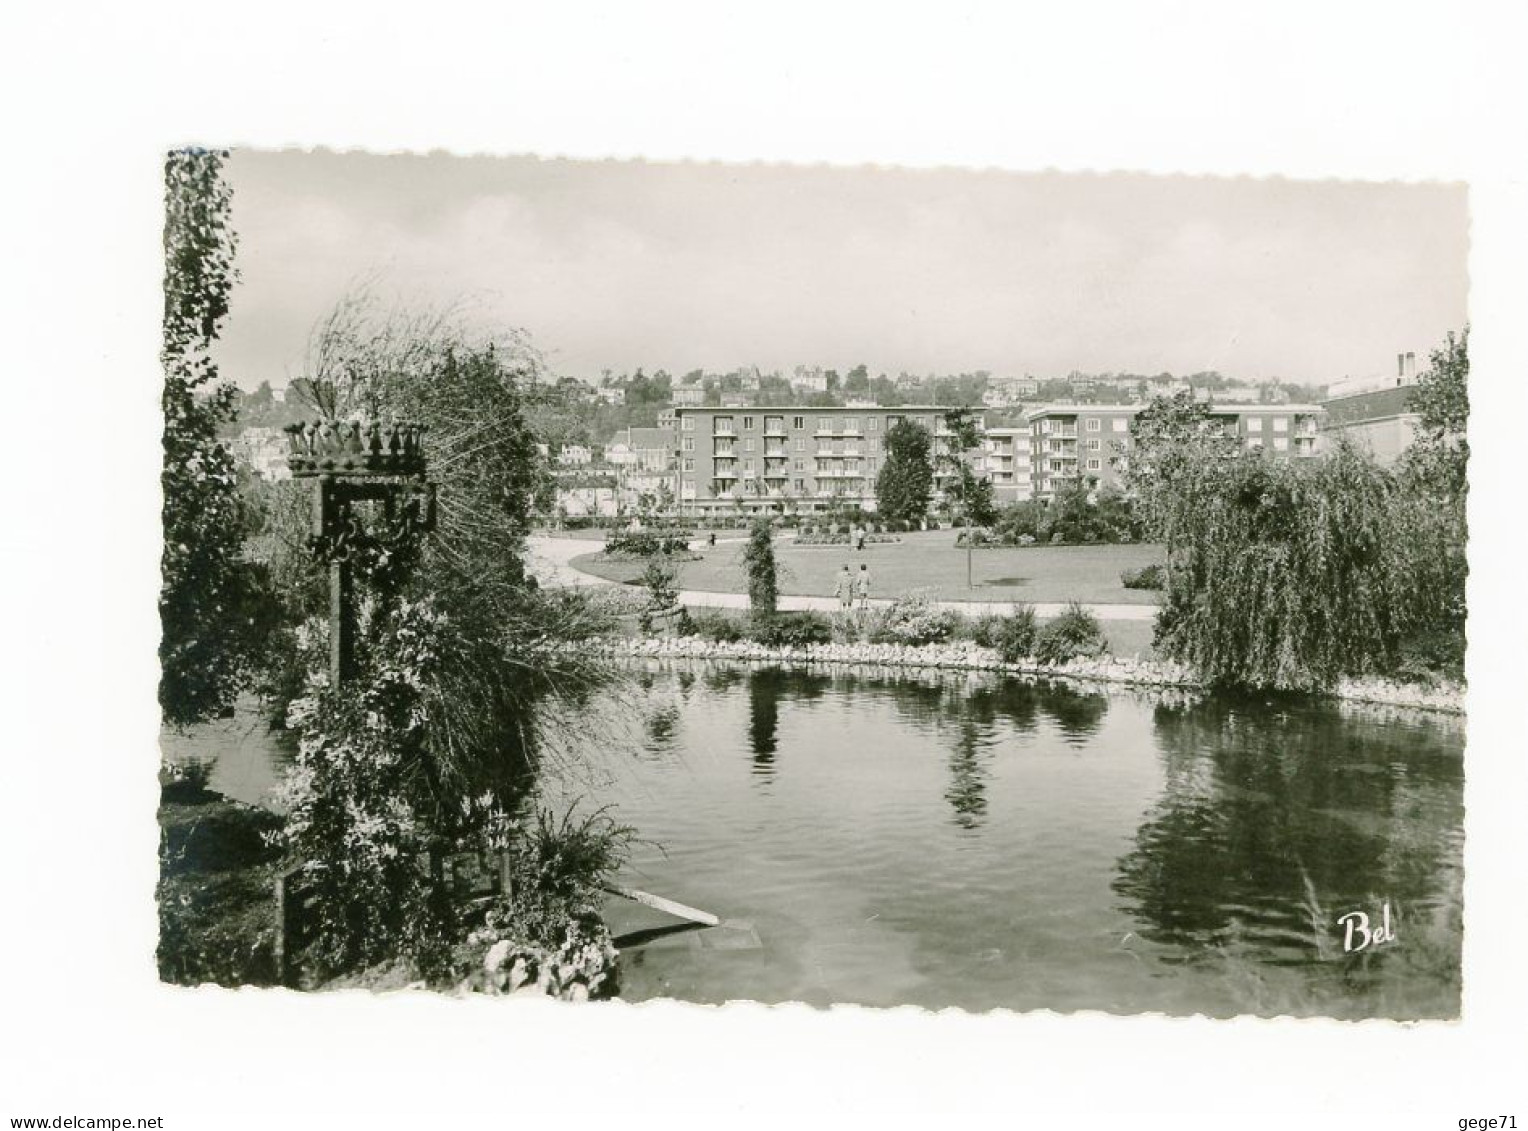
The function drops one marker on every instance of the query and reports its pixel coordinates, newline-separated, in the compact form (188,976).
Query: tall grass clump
(1074,635)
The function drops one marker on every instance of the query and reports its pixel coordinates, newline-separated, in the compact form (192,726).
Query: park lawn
(928,561)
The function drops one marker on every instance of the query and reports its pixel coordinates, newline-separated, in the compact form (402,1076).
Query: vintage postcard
(640,580)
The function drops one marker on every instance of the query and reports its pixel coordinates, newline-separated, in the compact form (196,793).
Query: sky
(616,265)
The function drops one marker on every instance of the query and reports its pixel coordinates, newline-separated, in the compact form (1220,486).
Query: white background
(93,95)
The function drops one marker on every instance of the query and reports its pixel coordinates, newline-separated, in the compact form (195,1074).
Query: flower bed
(842,539)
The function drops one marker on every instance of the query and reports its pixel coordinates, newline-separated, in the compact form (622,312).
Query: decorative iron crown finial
(351,447)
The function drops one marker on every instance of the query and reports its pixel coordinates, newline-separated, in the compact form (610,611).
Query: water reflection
(764,689)
(1265,806)
(967,794)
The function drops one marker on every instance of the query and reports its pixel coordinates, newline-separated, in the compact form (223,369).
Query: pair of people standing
(852,589)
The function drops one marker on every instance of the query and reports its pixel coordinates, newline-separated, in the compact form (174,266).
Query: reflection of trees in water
(662,726)
(1077,714)
(967,793)
(1261,796)
(720,678)
(981,713)
(765,687)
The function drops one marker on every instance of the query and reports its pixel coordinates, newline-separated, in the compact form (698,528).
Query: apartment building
(1091,443)
(791,459)
(1374,412)
(1007,463)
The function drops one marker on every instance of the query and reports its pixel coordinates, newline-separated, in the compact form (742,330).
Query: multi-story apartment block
(1007,455)
(801,460)
(1374,412)
(1089,443)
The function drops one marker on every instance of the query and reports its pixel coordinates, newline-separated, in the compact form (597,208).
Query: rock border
(963,655)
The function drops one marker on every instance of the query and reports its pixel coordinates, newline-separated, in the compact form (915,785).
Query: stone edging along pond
(1447,698)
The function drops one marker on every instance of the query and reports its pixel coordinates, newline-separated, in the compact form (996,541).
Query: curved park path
(551,560)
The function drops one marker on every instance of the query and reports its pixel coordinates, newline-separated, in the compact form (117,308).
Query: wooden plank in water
(667,906)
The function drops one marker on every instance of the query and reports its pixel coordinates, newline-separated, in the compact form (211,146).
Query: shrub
(792,630)
(1015,635)
(1075,634)
(980,630)
(647,543)
(712,624)
(1147,577)
(660,580)
(912,619)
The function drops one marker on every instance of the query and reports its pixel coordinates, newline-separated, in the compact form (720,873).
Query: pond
(889,838)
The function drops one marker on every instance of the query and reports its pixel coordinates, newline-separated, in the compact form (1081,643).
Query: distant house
(690,395)
(809,380)
(574,455)
(263,451)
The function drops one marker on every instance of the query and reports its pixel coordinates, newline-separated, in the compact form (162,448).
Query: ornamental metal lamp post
(354,463)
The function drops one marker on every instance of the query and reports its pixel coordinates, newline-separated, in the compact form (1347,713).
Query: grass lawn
(929,561)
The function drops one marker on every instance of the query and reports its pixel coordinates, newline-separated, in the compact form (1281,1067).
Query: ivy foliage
(213,608)
(760,571)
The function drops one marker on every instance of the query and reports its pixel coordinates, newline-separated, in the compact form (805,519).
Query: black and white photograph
(675,564)
(870,586)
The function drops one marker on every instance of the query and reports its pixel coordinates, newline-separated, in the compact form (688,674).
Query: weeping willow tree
(1293,576)
(499,702)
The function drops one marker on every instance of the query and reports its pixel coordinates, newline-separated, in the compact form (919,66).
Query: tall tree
(906,479)
(1174,442)
(208,641)
(972,492)
(760,571)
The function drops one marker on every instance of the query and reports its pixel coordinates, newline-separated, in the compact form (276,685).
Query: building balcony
(728,431)
(725,473)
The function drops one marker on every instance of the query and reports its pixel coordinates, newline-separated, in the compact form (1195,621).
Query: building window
(1093,445)
(689,465)
(893,421)
(800,444)
(1254,424)
(1281,424)
(873,424)
(721,424)
(800,484)
(1120,424)
(689,443)
(1045,425)
(687,423)
(798,422)
(1254,445)
(800,465)
(747,422)
(1280,444)
(1094,424)
(1093,465)
(851,424)
(748,443)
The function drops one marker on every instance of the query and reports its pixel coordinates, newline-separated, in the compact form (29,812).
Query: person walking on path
(859,539)
(843,588)
(862,586)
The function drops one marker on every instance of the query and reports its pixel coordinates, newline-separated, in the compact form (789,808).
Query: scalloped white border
(1313,90)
